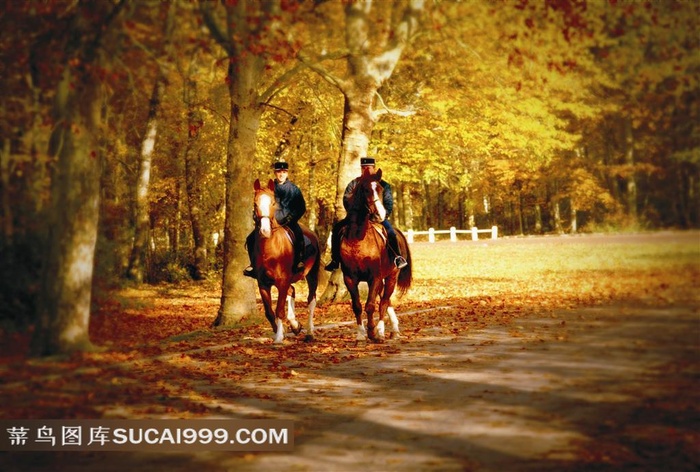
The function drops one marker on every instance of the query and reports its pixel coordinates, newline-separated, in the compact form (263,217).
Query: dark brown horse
(273,256)
(364,258)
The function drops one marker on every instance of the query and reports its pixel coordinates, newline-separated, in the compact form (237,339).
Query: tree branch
(338,82)
(216,32)
(377,113)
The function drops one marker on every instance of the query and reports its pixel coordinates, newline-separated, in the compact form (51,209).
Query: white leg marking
(361,333)
(310,323)
(380,329)
(279,335)
(290,306)
(394,321)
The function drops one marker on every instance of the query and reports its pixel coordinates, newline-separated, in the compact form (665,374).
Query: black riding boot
(298,248)
(335,247)
(249,242)
(394,251)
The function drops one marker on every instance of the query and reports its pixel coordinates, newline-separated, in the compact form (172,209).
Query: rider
(290,207)
(368,168)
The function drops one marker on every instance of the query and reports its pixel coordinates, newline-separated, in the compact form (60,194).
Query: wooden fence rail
(453,232)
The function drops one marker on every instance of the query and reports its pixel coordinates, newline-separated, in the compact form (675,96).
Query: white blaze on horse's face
(378,203)
(265,205)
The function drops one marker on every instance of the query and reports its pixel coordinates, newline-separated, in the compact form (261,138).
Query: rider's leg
(393,245)
(335,246)
(298,246)
(249,242)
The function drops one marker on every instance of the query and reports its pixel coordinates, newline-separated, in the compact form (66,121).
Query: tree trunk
(367,71)
(64,309)
(631,178)
(249,25)
(193,185)
(521,217)
(237,292)
(557,217)
(7,216)
(137,260)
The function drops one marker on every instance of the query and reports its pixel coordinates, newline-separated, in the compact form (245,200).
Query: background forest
(132,131)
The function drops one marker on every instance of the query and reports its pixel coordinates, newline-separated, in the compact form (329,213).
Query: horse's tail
(312,276)
(406,274)
(315,269)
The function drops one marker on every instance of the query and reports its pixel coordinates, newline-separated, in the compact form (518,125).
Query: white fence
(453,232)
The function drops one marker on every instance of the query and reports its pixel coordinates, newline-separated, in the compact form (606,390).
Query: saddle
(309,249)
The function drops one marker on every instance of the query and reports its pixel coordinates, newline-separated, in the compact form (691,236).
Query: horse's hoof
(394,335)
(296,330)
(308,338)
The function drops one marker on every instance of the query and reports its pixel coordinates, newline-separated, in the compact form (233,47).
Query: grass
(598,269)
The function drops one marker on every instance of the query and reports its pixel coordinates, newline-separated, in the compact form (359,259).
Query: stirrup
(300,266)
(400,262)
(249,272)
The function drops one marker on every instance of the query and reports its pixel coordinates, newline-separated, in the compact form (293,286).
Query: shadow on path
(597,389)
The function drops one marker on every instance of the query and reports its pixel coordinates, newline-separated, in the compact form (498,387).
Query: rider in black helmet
(291,206)
(368,167)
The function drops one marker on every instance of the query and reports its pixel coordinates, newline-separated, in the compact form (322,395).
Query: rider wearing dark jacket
(368,166)
(290,207)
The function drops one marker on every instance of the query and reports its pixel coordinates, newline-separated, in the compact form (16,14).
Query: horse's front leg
(267,305)
(375,332)
(386,308)
(281,310)
(351,285)
(291,315)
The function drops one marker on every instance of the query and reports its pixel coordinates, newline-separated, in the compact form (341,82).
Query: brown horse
(364,258)
(273,256)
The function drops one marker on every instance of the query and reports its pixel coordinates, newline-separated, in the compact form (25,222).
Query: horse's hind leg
(312,281)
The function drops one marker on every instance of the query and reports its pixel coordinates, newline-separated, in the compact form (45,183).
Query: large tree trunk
(237,292)
(249,26)
(367,71)
(64,310)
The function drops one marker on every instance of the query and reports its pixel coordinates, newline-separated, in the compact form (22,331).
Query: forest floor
(538,354)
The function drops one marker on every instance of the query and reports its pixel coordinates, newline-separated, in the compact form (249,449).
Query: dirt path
(610,389)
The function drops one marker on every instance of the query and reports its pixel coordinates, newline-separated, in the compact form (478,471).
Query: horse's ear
(256,185)
(378,174)
(271,185)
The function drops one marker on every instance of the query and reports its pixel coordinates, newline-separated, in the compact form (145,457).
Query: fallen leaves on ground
(160,348)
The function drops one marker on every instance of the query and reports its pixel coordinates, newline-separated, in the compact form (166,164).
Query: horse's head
(263,207)
(371,194)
